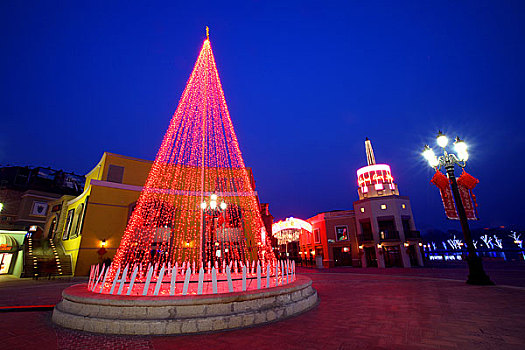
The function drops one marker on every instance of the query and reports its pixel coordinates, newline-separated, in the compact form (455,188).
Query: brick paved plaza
(427,308)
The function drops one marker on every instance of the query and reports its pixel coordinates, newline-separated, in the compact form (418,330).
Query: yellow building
(88,228)
(97,218)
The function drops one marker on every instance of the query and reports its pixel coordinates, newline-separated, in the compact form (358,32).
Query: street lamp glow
(203,205)
(1,206)
(442,140)
(213,204)
(213,197)
(461,148)
(223,205)
(448,160)
(431,158)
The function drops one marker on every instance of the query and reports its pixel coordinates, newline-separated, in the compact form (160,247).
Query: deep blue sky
(305,84)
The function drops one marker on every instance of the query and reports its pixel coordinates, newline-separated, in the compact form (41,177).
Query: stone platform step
(117,314)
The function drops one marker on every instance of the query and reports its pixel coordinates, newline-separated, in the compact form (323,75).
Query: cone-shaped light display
(198,204)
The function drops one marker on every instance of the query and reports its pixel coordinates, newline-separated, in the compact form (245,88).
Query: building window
(69,223)
(362,210)
(39,209)
(378,187)
(341,233)
(383,206)
(365,189)
(115,173)
(403,206)
(366,229)
(80,218)
(308,237)
(406,227)
(317,236)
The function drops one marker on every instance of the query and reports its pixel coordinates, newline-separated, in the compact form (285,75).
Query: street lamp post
(476,275)
(215,209)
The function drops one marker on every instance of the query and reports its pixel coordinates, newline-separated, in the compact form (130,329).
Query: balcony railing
(412,234)
(365,237)
(389,235)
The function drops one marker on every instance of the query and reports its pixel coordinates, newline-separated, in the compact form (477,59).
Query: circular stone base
(116,314)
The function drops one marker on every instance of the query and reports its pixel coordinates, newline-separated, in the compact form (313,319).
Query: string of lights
(199,157)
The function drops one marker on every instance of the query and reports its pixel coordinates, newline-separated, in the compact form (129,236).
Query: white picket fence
(186,280)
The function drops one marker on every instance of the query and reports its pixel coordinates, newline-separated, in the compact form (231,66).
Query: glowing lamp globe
(203,205)
(213,204)
(428,154)
(223,206)
(461,149)
(442,140)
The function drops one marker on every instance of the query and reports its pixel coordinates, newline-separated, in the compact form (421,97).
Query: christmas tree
(198,204)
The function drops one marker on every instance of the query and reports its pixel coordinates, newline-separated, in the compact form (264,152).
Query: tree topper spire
(207,33)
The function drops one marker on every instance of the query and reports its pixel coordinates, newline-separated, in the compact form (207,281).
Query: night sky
(305,84)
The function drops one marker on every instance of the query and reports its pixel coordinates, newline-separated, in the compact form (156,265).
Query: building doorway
(412,254)
(342,256)
(370,256)
(392,256)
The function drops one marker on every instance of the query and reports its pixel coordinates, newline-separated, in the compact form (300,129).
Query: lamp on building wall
(103,243)
(448,160)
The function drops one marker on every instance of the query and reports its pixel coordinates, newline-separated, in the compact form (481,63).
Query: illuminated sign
(5,247)
(374,175)
(291,223)
(289,230)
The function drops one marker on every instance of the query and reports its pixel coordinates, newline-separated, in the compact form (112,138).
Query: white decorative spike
(201,281)
(287,266)
(91,269)
(104,280)
(253,266)
(229,278)
(186,281)
(148,280)
(244,278)
(208,266)
(173,280)
(97,279)
(277,274)
(258,275)
(268,275)
(214,279)
(97,272)
(123,280)
(236,269)
(132,281)
(159,280)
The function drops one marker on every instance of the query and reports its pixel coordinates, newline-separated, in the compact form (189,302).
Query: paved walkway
(391,309)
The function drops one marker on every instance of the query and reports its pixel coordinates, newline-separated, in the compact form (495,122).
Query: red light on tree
(199,157)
